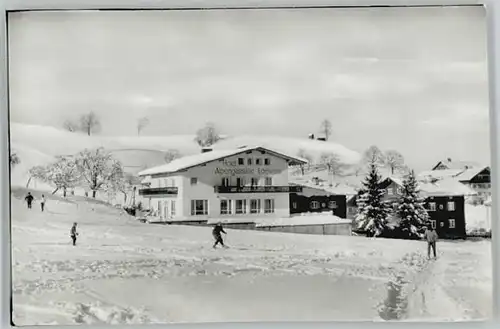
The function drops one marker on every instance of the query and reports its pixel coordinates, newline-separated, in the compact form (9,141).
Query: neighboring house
(444,201)
(473,175)
(245,182)
(315,199)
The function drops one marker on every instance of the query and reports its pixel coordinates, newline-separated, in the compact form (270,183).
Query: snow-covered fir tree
(411,211)
(373,211)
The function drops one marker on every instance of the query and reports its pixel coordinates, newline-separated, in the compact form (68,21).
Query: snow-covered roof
(202,158)
(336,188)
(469,174)
(440,174)
(458,164)
(442,187)
(445,187)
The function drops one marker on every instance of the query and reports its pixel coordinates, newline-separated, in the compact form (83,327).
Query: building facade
(247,182)
(316,200)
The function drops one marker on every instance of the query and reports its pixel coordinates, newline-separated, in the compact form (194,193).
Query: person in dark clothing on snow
(74,233)
(431,236)
(29,199)
(216,232)
(42,202)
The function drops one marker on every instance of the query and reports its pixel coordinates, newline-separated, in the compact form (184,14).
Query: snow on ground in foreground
(123,271)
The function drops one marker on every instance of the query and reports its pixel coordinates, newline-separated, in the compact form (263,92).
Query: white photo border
(493,18)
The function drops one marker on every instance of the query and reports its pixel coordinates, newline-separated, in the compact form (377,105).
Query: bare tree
(306,156)
(207,136)
(373,155)
(90,123)
(98,169)
(71,126)
(141,124)
(326,128)
(171,155)
(334,165)
(394,161)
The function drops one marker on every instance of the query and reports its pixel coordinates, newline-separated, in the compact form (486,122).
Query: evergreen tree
(413,216)
(373,211)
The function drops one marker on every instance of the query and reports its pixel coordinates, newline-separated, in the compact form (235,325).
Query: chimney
(206,149)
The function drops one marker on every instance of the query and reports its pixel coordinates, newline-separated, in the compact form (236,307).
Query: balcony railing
(158,191)
(257,189)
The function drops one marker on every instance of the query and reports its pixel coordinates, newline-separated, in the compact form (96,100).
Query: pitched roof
(469,174)
(203,158)
(440,174)
(457,164)
(337,189)
(442,187)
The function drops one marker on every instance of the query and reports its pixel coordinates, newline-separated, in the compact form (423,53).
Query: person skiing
(431,236)
(216,232)
(29,199)
(42,202)
(74,233)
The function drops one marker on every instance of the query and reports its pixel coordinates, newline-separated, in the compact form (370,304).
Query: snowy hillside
(172,274)
(39,144)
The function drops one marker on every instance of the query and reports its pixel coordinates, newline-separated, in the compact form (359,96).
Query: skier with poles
(73,233)
(29,199)
(216,232)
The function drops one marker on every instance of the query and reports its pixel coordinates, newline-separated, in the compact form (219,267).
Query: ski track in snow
(123,272)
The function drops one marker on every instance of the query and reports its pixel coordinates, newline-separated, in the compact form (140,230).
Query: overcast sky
(409,79)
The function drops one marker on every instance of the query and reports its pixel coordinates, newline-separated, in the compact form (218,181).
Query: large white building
(245,182)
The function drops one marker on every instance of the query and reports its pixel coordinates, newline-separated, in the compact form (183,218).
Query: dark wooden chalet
(312,199)
(446,209)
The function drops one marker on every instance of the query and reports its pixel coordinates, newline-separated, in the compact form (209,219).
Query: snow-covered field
(123,271)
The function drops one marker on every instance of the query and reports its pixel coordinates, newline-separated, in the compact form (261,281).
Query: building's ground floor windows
(241,206)
(451,223)
(269,206)
(254,206)
(433,224)
(199,207)
(226,207)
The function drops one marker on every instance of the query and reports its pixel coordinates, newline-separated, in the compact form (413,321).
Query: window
(399,190)
(225,207)
(269,206)
(166,183)
(441,207)
(433,224)
(172,208)
(240,182)
(225,181)
(258,161)
(441,224)
(255,206)
(254,181)
(241,161)
(332,204)
(451,223)
(241,206)
(249,161)
(199,207)
(390,191)
(314,205)
(269,181)
(194,180)
(267,161)
(432,206)
(294,205)
(451,206)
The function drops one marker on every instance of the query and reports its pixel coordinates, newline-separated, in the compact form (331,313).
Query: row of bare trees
(88,123)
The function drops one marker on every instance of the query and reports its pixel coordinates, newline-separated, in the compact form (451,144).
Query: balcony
(158,191)
(258,189)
